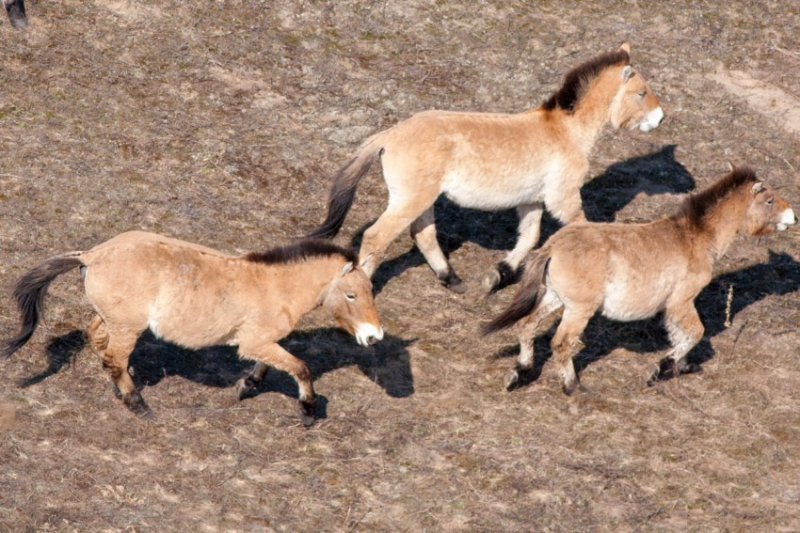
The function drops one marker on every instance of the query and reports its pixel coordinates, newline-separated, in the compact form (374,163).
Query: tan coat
(629,272)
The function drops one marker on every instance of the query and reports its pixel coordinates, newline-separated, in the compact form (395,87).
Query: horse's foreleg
(275,356)
(530,221)
(119,345)
(423,231)
(685,330)
(246,386)
(529,327)
(566,345)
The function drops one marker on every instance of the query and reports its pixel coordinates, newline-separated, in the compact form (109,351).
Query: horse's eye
(771,201)
(642,94)
(350,297)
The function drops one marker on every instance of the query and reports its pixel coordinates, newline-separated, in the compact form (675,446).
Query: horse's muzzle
(368,335)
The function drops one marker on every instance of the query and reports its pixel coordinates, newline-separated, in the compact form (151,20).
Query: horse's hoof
(308,420)
(667,369)
(451,281)
(491,281)
(308,412)
(458,286)
(244,389)
(146,414)
(137,405)
(512,380)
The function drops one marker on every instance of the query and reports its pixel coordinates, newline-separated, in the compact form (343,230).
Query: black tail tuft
(526,299)
(342,195)
(30,292)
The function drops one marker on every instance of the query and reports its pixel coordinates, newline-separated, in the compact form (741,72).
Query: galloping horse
(16,13)
(529,161)
(632,271)
(197,297)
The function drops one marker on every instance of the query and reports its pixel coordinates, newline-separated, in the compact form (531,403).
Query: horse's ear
(758,187)
(731,166)
(366,260)
(347,268)
(626,47)
(627,73)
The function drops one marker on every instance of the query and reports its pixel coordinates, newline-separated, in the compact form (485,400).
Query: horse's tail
(527,297)
(30,292)
(343,191)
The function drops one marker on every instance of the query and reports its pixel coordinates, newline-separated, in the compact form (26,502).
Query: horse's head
(767,211)
(349,298)
(635,105)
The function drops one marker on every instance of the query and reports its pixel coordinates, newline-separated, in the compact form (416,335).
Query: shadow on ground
(323,350)
(778,276)
(603,197)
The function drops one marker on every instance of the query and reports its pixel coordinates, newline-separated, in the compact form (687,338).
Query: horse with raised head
(196,297)
(633,271)
(529,161)
(16,13)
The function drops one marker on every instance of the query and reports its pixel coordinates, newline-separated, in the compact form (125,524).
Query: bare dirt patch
(222,122)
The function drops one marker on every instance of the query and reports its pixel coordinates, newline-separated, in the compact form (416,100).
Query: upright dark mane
(301,251)
(578,79)
(696,206)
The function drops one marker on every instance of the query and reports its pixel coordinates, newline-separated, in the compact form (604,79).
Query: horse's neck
(592,113)
(723,221)
(303,283)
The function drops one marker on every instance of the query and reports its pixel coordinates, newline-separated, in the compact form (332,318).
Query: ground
(222,123)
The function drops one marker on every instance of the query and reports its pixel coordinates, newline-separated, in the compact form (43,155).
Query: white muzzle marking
(367,334)
(651,120)
(787,219)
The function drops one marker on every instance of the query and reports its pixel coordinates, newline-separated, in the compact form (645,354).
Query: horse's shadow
(323,350)
(778,276)
(605,195)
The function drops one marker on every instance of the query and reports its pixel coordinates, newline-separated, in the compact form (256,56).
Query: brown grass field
(221,122)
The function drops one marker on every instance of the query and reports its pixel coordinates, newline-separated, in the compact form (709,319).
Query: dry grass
(221,122)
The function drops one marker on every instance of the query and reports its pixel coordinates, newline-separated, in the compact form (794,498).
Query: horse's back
(137,277)
(629,271)
(143,239)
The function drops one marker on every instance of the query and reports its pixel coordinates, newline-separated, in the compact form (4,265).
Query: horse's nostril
(371,340)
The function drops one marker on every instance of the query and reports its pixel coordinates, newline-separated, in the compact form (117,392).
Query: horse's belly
(627,302)
(476,190)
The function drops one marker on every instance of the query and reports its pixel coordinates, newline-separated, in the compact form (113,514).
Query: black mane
(301,251)
(696,206)
(578,79)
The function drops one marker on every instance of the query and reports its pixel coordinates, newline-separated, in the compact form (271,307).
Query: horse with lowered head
(493,161)
(196,297)
(633,271)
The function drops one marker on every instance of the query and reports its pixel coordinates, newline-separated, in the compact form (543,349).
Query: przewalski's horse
(196,297)
(632,271)
(16,13)
(485,161)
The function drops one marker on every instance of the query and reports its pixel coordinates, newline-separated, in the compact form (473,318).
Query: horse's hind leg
(96,334)
(120,344)
(423,231)
(400,213)
(685,330)
(567,343)
(275,356)
(246,386)
(530,221)
(16,13)
(529,328)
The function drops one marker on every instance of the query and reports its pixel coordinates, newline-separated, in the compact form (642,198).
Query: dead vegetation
(221,123)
